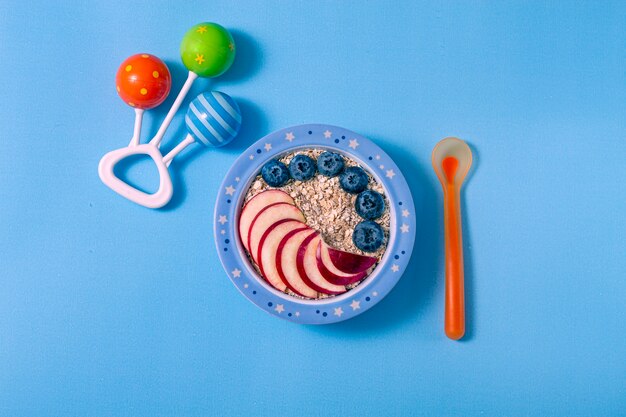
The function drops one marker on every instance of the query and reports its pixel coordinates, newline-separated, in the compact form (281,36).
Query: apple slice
(286,262)
(267,217)
(255,205)
(269,246)
(308,270)
(330,271)
(347,262)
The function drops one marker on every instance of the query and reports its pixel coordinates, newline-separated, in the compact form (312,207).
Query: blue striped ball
(213,118)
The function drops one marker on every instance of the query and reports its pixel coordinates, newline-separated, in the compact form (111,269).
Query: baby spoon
(452,159)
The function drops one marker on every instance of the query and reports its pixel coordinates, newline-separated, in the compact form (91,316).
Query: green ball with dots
(207,49)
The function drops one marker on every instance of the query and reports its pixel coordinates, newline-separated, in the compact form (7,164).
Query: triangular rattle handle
(107,175)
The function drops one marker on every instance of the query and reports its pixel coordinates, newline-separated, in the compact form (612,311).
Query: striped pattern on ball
(213,118)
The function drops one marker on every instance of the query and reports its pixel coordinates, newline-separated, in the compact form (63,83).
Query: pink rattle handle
(156,140)
(108,177)
(165,191)
(134,141)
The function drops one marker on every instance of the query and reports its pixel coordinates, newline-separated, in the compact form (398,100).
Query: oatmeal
(318,224)
(326,206)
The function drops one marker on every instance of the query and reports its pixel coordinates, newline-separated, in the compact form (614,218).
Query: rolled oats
(327,207)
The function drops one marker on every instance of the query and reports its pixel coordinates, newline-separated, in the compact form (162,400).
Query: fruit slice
(330,271)
(272,236)
(308,270)
(254,206)
(267,217)
(347,262)
(269,246)
(286,262)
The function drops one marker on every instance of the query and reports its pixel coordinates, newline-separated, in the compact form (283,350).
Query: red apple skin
(256,204)
(268,216)
(350,263)
(287,225)
(308,249)
(332,277)
(271,244)
(294,282)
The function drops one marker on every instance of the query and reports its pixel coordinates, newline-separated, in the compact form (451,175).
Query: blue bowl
(401,234)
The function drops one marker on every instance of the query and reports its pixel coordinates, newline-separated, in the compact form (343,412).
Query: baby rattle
(213,119)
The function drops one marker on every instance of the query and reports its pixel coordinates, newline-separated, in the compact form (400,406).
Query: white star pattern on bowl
(374,287)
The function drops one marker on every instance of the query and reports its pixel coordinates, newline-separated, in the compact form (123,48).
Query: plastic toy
(207,50)
(213,119)
(452,159)
(143,81)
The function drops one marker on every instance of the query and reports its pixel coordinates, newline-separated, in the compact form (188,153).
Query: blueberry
(353,180)
(368,236)
(369,204)
(275,173)
(330,164)
(302,168)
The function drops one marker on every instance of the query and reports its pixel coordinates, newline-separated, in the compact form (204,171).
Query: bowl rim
(374,287)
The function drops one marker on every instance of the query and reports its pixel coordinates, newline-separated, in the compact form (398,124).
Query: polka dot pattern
(143,81)
(376,286)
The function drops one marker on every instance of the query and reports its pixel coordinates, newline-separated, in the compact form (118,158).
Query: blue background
(108,308)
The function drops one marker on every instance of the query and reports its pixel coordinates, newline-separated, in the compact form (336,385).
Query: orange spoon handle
(455,299)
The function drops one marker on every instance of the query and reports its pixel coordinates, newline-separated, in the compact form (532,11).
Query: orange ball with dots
(143,81)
